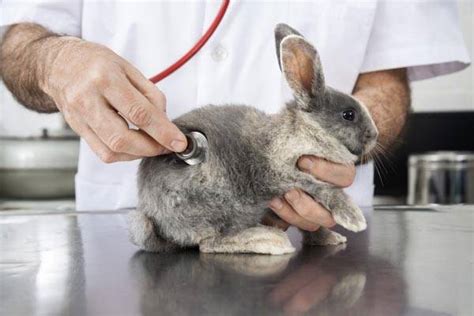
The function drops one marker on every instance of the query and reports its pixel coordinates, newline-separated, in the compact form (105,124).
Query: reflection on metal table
(409,262)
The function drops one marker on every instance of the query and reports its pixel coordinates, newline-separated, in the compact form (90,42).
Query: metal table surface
(409,262)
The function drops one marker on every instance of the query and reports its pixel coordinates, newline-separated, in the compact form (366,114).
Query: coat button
(219,53)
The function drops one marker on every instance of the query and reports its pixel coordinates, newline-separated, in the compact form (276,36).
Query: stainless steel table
(409,262)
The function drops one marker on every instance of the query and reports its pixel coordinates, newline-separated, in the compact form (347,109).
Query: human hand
(95,89)
(325,282)
(301,210)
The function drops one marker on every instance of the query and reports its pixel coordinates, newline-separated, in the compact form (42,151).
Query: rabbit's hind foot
(260,239)
(143,233)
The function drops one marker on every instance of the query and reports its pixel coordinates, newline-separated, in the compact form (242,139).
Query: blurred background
(442,119)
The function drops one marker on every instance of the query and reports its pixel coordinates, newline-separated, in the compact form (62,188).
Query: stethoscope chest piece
(197,149)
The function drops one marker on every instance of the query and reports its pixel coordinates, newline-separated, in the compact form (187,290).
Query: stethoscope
(196,151)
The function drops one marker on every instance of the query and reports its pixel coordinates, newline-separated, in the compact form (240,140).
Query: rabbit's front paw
(347,214)
(323,237)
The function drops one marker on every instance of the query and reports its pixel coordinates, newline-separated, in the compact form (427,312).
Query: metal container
(441,178)
(42,167)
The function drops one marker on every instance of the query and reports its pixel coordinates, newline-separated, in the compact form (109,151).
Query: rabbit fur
(252,156)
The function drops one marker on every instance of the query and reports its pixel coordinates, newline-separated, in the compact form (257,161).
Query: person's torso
(237,66)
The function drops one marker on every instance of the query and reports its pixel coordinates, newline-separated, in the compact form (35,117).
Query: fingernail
(306,163)
(178,145)
(292,195)
(276,203)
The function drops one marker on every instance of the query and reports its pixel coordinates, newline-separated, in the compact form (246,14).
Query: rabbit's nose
(370,134)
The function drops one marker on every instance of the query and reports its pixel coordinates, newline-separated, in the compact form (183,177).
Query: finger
(308,208)
(133,105)
(96,145)
(338,174)
(146,87)
(291,284)
(312,294)
(286,212)
(271,219)
(113,131)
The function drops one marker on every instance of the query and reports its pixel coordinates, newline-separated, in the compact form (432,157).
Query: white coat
(238,64)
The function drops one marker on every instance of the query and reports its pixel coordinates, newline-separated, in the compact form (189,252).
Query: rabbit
(252,156)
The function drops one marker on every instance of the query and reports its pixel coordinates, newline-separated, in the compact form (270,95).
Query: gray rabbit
(218,204)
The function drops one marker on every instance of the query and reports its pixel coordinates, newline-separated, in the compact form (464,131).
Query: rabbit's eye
(349,115)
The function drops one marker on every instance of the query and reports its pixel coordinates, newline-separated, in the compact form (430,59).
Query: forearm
(25,53)
(387,96)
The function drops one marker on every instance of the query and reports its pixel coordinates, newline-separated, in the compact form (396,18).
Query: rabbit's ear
(282,30)
(302,68)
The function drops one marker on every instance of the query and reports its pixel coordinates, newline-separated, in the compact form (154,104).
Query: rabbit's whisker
(386,156)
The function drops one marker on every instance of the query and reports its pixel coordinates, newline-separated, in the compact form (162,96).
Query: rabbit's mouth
(357,151)
(369,146)
(363,149)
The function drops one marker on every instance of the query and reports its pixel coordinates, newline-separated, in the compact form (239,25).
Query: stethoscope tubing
(199,44)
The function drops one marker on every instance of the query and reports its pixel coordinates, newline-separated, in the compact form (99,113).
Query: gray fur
(252,158)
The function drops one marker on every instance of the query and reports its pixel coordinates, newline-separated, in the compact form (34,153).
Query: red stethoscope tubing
(199,44)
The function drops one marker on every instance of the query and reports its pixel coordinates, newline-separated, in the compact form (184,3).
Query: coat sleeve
(62,17)
(423,36)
